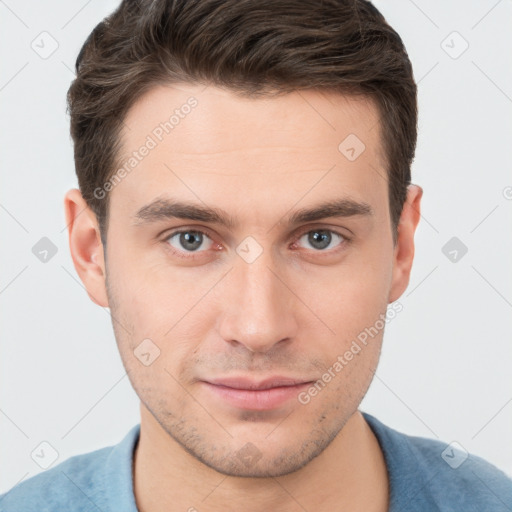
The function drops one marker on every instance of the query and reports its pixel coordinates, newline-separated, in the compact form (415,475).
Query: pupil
(320,239)
(191,242)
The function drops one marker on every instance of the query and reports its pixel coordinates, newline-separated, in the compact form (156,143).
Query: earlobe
(85,246)
(404,249)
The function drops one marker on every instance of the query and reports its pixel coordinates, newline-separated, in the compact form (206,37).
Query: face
(225,270)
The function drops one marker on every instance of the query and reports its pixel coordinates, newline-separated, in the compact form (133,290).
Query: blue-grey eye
(189,240)
(321,239)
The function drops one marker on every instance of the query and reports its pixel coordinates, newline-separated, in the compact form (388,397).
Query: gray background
(445,367)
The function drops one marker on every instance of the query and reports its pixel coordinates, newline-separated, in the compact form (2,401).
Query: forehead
(209,143)
(311,117)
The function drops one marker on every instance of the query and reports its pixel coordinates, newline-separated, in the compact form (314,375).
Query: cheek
(160,304)
(148,294)
(349,298)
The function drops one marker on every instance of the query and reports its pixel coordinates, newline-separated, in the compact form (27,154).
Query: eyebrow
(164,209)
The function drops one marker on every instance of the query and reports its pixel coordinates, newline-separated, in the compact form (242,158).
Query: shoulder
(71,485)
(461,478)
(443,474)
(77,484)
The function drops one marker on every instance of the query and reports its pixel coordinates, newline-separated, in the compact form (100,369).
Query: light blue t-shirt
(424,475)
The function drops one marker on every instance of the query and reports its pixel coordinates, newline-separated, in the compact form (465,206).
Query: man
(247,214)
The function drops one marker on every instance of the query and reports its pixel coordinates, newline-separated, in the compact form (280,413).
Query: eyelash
(193,255)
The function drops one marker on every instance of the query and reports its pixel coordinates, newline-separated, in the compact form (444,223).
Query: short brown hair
(252,47)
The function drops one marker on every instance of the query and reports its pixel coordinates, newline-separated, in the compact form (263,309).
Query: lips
(249,384)
(264,394)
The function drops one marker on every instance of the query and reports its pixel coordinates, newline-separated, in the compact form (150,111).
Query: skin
(290,312)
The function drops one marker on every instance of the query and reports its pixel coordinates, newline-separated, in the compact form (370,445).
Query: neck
(167,478)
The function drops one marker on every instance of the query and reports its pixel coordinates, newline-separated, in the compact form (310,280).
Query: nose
(258,309)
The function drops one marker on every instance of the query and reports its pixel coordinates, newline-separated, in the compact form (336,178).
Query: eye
(189,240)
(322,239)
(189,243)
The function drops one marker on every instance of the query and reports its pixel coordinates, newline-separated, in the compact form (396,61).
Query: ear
(86,246)
(404,249)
